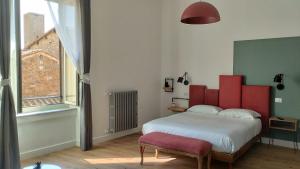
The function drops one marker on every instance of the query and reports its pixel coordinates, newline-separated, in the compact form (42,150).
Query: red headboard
(197,95)
(257,98)
(230,91)
(211,97)
(233,94)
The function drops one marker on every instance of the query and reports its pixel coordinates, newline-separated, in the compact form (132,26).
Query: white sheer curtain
(67,20)
(72,20)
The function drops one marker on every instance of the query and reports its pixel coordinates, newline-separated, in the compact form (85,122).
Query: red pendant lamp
(200,13)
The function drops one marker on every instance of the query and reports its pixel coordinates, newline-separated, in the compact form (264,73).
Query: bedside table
(285,124)
(177,109)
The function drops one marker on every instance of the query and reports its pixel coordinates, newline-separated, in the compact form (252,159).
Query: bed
(231,138)
(210,128)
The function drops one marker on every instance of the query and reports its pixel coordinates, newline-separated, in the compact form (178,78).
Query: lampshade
(278,78)
(200,13)
(184,79)
(180,80)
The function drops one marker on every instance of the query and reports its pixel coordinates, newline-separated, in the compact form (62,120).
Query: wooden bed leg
(142,149)
(230,166)
(156,153)
(209,161)
(200,162)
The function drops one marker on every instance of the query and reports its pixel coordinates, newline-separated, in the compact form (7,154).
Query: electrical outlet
(278,100)
(185,94)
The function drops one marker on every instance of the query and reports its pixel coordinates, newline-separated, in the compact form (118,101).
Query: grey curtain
(86,125)
(9,146)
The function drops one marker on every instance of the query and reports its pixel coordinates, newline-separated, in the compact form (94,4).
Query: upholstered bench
(177,145)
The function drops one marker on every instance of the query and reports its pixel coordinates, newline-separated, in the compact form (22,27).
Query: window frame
(63,63)
(18,59)
(46,108)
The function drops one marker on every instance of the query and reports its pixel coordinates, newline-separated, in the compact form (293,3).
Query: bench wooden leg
(209,161)
(156,153)
(200,162)
(142,149)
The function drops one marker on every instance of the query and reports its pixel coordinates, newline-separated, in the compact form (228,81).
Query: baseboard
(46,150)
(281,143)
(108,137)
(61,146)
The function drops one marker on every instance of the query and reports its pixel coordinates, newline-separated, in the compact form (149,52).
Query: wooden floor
(123,153)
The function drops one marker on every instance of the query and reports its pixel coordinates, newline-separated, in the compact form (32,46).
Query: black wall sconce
(279,79)
(183,79)
(169,85)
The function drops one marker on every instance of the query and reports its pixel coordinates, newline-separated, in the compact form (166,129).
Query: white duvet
(226,134)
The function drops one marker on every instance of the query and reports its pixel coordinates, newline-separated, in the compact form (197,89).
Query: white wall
(206,51)
(46,132)
(126,54)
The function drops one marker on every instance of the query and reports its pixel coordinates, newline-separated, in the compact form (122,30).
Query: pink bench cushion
(178,143)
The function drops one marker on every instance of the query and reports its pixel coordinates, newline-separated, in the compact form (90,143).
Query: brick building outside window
(42,65)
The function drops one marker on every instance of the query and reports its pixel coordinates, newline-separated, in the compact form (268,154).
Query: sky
(35,6)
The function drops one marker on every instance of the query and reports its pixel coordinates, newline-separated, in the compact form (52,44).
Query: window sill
(46,115)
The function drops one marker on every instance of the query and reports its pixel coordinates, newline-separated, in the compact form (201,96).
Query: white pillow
(207,109)
(240,114)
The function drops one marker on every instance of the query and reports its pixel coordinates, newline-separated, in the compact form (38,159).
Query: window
(47,76)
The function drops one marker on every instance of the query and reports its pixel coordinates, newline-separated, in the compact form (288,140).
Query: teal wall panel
(260,60)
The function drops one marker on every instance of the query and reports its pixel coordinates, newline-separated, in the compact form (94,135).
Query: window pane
(70,86)
(40,56)
(47,75)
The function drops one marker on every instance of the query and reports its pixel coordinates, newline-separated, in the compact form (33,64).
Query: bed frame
(233,94)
